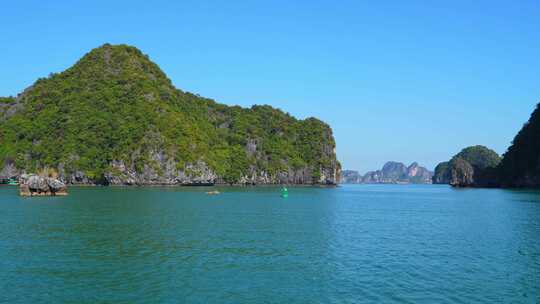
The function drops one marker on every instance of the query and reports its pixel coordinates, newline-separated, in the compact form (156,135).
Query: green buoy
(284,192)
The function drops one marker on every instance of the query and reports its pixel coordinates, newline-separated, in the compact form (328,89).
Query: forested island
(115,118)
(473,166)
(479,166)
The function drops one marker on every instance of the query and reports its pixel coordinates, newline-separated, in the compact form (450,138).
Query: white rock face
(35,185)
(391,173)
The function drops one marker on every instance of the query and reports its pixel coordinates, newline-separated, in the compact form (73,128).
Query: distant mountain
(350,177)
(473,166)
(391,173)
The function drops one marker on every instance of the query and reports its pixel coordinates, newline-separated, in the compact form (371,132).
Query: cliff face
(474,166)
(115,118)
(461,173)
(418,175)
(391,173)
(395,172)
(520,166)
(441,175)
(36,185)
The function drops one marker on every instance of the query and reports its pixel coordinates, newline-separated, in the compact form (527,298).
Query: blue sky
(396,80)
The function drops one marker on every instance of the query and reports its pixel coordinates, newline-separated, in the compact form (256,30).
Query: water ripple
(362,244)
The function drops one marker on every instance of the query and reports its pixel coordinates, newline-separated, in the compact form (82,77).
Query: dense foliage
(521,163)
(5,100)
(115,104)
(479,157)
(519,167)
(479,160)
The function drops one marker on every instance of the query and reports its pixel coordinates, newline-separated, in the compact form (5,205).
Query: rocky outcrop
(479,166)
(520,166)
(472,167)
(441,175)
(351,177)
(8,170)
(35,185)
(418,175)
(392,173)
(461,173)
(162,171)
(165,172)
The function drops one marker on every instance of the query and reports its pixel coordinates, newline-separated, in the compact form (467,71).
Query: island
(472,166)
(40,185)
(391,173)
(479,166)
(115,118)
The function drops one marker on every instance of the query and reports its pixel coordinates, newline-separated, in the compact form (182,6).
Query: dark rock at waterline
(55,185)
(461,173)
(441,174)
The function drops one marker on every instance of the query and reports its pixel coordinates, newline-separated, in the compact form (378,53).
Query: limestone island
(35,185)
(115,118)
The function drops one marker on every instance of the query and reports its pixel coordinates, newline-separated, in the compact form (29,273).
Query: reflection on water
(351,244)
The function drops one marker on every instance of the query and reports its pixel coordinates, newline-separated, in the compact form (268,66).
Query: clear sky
(399,80)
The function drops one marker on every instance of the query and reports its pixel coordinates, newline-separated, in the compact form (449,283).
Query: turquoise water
(352,244)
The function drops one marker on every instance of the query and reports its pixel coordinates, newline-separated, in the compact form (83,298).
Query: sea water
(350,244)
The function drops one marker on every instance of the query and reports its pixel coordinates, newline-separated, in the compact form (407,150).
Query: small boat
(212,192)
(284,192)
(12,181)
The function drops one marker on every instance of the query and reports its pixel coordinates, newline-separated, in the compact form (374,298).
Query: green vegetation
(479,157)
(5,100)
(116,105)
(480,162)
(520,166)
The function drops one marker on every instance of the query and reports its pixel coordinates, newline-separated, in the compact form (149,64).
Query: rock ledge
(35,185)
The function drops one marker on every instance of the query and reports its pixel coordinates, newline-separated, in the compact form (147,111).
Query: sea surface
(351,244)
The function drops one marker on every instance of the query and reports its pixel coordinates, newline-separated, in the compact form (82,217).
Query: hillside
(115,118)
(472,166)
(520,166)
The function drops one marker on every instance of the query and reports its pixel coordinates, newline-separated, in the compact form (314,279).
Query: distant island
(479,166)
(391,173)
(473,166)
(115,118)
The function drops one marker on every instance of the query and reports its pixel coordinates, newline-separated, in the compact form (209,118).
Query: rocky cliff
(391,173)
(520,166)
(350,177)
(474,166)
(115,118)
(441,174)
(36,185)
